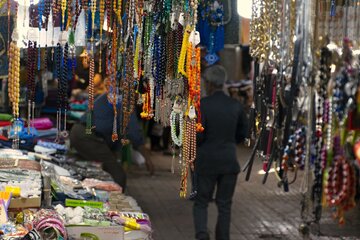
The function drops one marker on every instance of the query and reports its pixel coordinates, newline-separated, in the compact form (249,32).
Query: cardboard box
(95,233)
(19,203)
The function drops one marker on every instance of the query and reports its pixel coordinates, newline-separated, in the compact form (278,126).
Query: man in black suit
(225,126)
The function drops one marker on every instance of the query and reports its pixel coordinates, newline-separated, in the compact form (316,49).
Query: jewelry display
(308,48)
(304,67)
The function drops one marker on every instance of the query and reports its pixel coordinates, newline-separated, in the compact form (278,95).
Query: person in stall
(81,78)
(99,146)
(216,165)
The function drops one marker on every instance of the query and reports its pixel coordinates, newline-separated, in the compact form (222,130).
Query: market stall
(148,53)
(305,114)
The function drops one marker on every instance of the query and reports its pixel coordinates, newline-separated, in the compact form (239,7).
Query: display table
(59,198)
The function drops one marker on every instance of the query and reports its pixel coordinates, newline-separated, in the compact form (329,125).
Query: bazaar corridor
(259,211)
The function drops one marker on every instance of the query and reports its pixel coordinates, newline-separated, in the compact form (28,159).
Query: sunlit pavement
(259,211)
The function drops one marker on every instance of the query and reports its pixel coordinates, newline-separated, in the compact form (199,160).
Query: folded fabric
(101,185)
(3,138)
(5,117)
(25,135)
(5,123)
(44,150)
(47,133)
(74,106)
(26,144)
(52,145)
(41,123)
(23,132)
(76,114)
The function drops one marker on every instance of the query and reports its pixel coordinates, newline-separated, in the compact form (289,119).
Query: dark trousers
(94,148)
(166,137)
(225,185)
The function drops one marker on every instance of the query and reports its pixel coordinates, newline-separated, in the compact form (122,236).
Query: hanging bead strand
(63,9)
(64,86)
(78,9)
(102,14)
(89,125)
(59,69)
(14,85)
(189,153)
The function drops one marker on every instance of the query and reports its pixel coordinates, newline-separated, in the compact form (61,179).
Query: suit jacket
(225,125)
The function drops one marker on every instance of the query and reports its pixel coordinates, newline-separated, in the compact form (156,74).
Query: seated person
(99,146)
(80,85)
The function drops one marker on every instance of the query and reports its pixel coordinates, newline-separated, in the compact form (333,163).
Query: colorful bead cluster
(152,57)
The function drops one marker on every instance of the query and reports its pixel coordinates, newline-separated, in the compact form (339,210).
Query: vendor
(98,146)
(81,77)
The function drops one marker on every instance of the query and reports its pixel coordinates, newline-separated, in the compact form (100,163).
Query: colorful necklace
(193,73)
(340,187)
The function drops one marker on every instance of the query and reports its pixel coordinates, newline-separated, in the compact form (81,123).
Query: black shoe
(202,236)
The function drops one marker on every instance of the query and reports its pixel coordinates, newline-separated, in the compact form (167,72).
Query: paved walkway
(259,211)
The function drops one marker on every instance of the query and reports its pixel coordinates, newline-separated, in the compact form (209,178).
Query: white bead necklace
(174,113)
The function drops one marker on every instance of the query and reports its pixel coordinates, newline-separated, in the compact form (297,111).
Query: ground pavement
(259,211)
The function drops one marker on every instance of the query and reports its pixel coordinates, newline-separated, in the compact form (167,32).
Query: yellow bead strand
(183,51)
(63,8)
